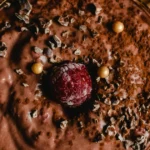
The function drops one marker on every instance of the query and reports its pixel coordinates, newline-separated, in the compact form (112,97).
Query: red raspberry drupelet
(71,83)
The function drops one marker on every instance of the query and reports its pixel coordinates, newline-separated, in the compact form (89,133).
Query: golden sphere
(103,72)
(118,26)
(37,68)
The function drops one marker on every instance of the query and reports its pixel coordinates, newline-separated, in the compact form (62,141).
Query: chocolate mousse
(74,75)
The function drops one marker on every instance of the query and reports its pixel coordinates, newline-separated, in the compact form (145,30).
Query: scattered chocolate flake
(25,84)
(55,59)
(96,62)
(80,124)
(98,79)
(24,29)
(5,4)
(119,137)
(38,50)
(115,102)
(111,131)
(110,112)
(97,11)
(63,124)
(57,40)
(5,26)
(77,52)
(19,71)
(94,33)
(72,20)
(23,18)
(54,42)
(38,92)
(88,20)
(52,60)
(136,146)
(107,101)
(34,113)
(65,34)
(128,144)
(96,107)
(83,28)
(64,21)
(51,44)
(25,10)
(81,12)
(45,24)
(3,53)
(3,46)
(63,46)
(112,120)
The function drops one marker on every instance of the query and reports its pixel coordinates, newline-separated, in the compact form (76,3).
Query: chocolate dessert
(74,75)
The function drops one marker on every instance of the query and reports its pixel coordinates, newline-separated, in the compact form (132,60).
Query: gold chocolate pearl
(103,72)
(37,68)
(118,26)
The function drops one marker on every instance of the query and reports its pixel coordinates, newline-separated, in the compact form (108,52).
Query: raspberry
(71,83)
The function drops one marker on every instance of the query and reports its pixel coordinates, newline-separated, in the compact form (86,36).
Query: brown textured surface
(30,120)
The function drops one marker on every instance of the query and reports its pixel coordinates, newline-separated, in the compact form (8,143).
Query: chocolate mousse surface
(116,117)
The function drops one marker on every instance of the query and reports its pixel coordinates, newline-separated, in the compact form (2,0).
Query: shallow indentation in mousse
(71,83)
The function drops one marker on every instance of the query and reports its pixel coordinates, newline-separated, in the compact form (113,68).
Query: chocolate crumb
(64,21)
(19,71)
(25,84)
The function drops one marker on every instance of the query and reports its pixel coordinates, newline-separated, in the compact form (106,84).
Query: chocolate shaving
(38,50)
(83,28)
(24,29)
(81,12)
(65,34)
(3,53)
(57,40)
(19,71)
(5,26)
(77,52)
(25,84)
(96,107)
(34,113)
(3,49)
(63,124)
(5,4)
(2,46)
(51,44)
(34,28)
(54,42)
(25,10)
(45,24)
(64,21)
